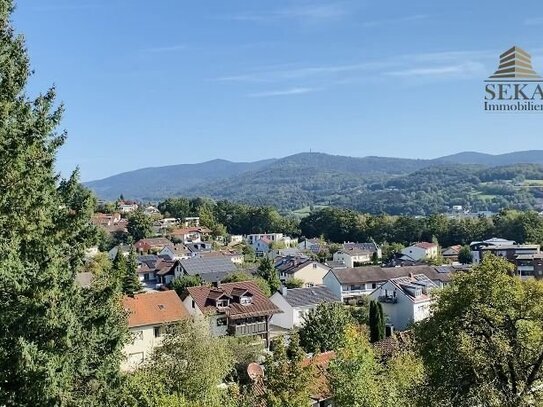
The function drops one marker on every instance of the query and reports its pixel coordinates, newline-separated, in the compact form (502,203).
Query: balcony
(253,328)
(388,299)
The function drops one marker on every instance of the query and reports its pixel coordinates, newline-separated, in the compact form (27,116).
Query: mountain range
(297,180)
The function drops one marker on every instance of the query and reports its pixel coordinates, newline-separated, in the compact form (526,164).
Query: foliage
(483,344)
(376,321)
(180,284)
(267,271)
(139,225)
(323,327)
(464,255)
(286,378)
(294,283)
(52,340)
(357,379)
(130,281)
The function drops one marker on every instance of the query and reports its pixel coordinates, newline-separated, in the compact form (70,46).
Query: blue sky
(172,81)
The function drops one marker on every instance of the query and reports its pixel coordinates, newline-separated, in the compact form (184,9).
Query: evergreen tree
(119,270)
(267,271)
(323,327)
(376,321)
(51,345)
(131,283)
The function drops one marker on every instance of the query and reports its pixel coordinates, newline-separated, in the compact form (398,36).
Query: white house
(149,315)
(272,238)
(360,281)
(175,252)
(151,210)
(297,302)
(127,206)
(311,272)
(353,257)
(405,299)
(421,251)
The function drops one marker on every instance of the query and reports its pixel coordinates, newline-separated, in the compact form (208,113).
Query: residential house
(152,245)
(127,206)
(238,309)
(421,251)
(175,252)
(210,269)
(405,299)
(106,219)
(191,221)
(262,246)
(353,257)
(149,315)
(359,281)
(124,248)
(234,256)
(311,272)
(312,245)
(193,234)
(197,248)
(508,249)
(156,271)
(451,253)
(235,239)
(297,302)
(371,247)
(268,239)
(151,210)
(529,265)
(287,251)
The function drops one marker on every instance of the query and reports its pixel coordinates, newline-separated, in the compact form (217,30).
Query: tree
(51,344)
(139,225)
(180,284)
(267,271)
(294,283)
(286,378)
(376,322)
(464,255)
(358,379)
(130,280)
(323,327)
(119,269)
(191,363)
(488,328)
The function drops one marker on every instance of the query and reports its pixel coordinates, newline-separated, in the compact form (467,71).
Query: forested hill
(373,184)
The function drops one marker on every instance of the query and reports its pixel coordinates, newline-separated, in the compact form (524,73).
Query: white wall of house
(312,274)
(333,284)
(418,253)
(144,341)
(350,259)
(286,319)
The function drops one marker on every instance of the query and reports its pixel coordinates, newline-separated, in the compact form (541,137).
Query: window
(146,277)
(374,285)
(314,265)
(222,303)
(221,321)
(193,304)
(245,300)
(157,332)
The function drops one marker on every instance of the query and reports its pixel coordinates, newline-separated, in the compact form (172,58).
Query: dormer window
(245,300)
(223,302)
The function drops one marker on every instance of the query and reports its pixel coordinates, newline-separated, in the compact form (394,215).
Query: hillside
(373,184)
(160,182)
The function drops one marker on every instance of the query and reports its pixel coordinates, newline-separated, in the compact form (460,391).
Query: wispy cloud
(534,21)
(164,49)
(282,92)
(306,13)
(392,21)
(67,6)
(468,69)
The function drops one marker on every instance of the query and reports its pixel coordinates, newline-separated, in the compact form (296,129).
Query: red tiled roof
(259,306)
(425,245)
(154,308)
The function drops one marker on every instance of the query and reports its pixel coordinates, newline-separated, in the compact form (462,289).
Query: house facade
(311,272)
(507,249)
(149,315)
(405,300)
(421,251)
(297,302)
(353,257)
(237,309)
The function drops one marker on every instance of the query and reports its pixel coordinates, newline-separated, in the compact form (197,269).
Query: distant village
(352,274)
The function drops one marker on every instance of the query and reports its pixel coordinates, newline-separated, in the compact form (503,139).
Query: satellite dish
(255,371)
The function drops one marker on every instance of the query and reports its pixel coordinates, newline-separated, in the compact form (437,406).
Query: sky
(148,84)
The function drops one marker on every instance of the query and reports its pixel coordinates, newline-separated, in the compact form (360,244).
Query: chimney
(411,275)
(216,284)
(283,291)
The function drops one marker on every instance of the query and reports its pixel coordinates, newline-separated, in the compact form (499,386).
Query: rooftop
(154,308)
(303,297)
(374,274)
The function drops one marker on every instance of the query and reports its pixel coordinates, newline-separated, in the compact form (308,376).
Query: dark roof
(291,264)
(372,274)
(211,269)
(303,297)
(370,246)
(259,306)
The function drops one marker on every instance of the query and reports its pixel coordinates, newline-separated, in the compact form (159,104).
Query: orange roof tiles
(154,308)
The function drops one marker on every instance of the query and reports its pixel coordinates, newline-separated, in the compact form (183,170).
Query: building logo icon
(515,63)
(515,86)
